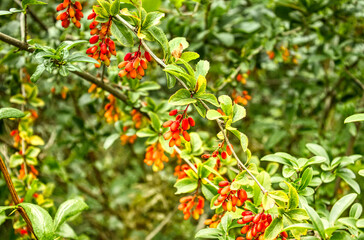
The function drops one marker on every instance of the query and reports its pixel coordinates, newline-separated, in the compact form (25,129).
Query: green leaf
(67,210)
(156,125)
(213,114)
(175,43)
(66,231)
(38,72)
(276,158)
(115,7)
(189,56)
(239,112)
(293,196)
(274,229)
(16,160)
(80,57)
(355,118)
(41,221)
(146,132)
(6,113)
(18,99)
(210,233)
(152,19)
(4,208)
(356,210)
(226,104)
(306,178)
(340,206)
(299,226)
(110,140)
(317,150)
(122,34)
(148,86)
(267,202)
(186,185)
(349,180)
(26,3)
(200,85)
(298,214)
(202,68)
(161,38)
(208,97)
(105,5)
(242,137)
(316,220)
(181,97)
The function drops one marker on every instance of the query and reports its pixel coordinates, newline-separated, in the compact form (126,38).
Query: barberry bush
(181,119)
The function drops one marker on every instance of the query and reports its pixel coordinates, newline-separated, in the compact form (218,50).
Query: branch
(84,75)
(34,16)
(14,195)
(163,65)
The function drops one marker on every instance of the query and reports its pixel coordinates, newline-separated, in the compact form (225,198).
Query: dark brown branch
(14,195)
(84,75)
(34,16)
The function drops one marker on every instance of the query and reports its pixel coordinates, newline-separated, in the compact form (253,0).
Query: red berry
(94,39)
(127,57)
(147,56)
(248,218)
(186,136)
(191,121)
(174,126)
(173,112)
(223,183)
(224,155)
(78,5)
(185,124)
(228,150)
(91,16)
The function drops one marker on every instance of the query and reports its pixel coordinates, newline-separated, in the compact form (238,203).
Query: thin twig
(152,234)
(14,195)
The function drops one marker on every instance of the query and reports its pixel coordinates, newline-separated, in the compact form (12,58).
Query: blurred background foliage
(302,61)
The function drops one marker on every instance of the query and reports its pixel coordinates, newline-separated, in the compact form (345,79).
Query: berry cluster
(137,118)
(125,138)
(111,110)
(188,203)
(155,156)
(177,127)
(73,12)
(220,151)
(242,77)
(255,225)
(242,99)
(134,65)
(179,171)
(214,221)
(33,172)
(230,199)
(271,54)
(16,136)
(104,47)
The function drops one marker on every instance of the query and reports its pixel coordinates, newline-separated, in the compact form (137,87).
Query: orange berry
(186,136)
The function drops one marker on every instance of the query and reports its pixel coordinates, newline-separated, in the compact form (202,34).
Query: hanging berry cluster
(125,139)
(111,110)
(177,127)
(155,156)
(220,151)
(242,99)
(214,221)
(255,225)
(230,199)
(190,202)
(103,47)
(180,171)
(134,64)
(72,13)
